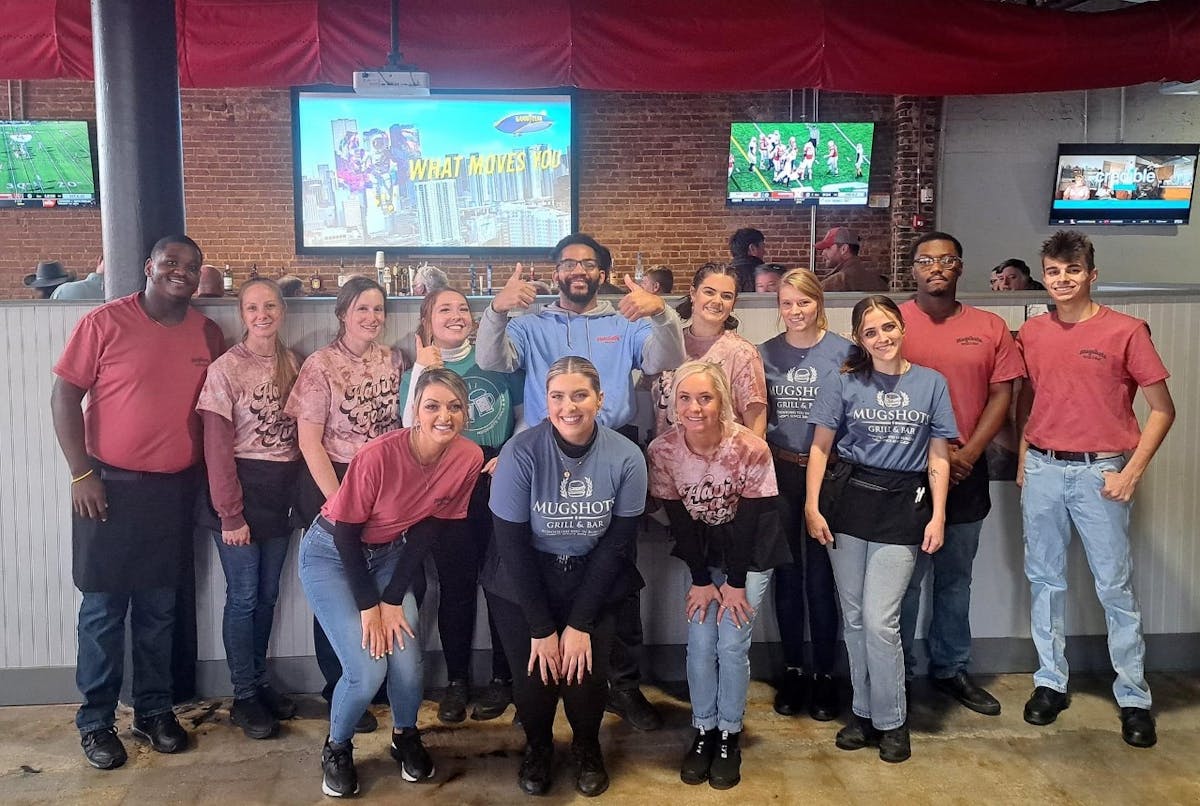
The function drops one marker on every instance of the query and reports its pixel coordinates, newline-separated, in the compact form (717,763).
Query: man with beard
(976,353)
(643,333)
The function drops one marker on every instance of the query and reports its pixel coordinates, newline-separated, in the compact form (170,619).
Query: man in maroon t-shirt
(132,452)
(1082,455)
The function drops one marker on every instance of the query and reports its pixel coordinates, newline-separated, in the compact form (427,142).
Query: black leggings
(537,702)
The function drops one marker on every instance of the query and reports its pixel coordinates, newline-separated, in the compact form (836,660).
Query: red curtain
(920,47)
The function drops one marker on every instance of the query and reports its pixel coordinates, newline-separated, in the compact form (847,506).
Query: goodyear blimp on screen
(524,123)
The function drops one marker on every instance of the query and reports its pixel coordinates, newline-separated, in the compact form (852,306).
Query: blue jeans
(99,668)
(251,588)
(871,580)
(328,590)
(1058,494)
(949,635)
(718,659)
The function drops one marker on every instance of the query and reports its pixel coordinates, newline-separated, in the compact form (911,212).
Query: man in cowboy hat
(49,275)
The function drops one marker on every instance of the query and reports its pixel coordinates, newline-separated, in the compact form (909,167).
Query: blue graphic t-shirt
(568,503)
(794,376)
(886,422)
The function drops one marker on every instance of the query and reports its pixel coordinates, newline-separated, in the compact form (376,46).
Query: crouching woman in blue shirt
(881,504)
(566,497)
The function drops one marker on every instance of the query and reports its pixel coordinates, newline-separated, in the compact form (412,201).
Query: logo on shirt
(608,339)
(892,400)
(715,501)
(1092,354)
(969,341)
(575,488)
(274,427)
(801,375)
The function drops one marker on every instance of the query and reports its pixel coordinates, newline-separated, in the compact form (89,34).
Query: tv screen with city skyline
(449,173)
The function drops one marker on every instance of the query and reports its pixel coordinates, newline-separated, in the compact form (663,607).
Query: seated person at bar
(767,277)
(567,496)
(658,280)
(361,556)
(47,279)
(1014,275)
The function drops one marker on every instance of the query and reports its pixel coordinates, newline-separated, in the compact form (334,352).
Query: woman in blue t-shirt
(566,497)
(797,363)
(884,501)
(443,340)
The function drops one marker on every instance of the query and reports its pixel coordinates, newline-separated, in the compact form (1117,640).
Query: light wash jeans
(871,580)
(1058,494)
(949,636)
(718,659)
(328,590)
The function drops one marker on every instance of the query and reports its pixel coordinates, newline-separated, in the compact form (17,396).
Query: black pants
(804,587)
(624,670)
(537,702)
(458,555)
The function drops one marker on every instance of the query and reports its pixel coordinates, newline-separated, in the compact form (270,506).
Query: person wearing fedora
(140,360)
(839,251)
(48,276)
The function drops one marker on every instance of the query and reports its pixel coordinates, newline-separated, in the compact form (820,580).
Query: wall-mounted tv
(1123,183)
(799,163)
(453,172)
(47,164)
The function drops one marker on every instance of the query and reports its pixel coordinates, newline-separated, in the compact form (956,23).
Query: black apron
(883,506)
(970,500)
(267,492)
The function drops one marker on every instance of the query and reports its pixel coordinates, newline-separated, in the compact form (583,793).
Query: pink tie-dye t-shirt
(710,487)
(743,368)
(240,387)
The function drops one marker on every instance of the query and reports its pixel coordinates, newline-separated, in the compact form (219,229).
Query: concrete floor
(958,757)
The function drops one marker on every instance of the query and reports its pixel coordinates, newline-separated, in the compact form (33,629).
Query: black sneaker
(1045,705)
(367,723)
(411,755)
(698,760)
(592,778)
(453,707)
(163,731)
(103,749)
(253,717)
(281,706)
(632,706)
(825,701)
(859,733)
(792,693)
(894,745)
(726,769)
(537,769)
(494,700)
(339,778)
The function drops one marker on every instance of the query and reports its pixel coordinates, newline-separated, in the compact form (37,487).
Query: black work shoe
(1045,705)
(281,706)
(411,755)
(163,731)
(894,746)
(726,769)
(859,733)
(537,769)
(792,693)
(453,707)
(632,706)
(971,696)
(825,702)
(494,700)
(104,750)
(367,723)
(698,760)
(339,778)
(253,717)
(1137,727)
(592,778)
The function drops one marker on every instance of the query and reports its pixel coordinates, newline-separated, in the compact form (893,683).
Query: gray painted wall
(997,174)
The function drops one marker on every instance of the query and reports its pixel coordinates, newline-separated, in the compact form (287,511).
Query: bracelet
(78,479)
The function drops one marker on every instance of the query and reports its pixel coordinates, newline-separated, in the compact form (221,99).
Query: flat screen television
(799,163)
(47,163)
(468,173)
(1123,183)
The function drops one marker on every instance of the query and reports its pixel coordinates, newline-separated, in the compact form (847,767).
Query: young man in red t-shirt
(132,453)
(1081,457)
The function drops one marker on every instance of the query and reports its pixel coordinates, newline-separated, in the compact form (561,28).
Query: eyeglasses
(570,265)
(949,261)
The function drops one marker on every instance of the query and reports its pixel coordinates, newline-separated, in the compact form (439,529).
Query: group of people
(847,470)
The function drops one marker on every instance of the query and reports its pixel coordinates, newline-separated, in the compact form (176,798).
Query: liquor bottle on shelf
(472,278)
(253,270)
(341,280)
(314,282)
(638,271)
(489,280)
(227,280)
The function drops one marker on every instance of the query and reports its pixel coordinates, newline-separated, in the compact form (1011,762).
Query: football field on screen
(45,157)
(758,178)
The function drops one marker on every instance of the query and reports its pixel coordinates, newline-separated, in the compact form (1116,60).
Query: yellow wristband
(78,479)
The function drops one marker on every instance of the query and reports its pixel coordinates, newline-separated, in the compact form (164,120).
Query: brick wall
(651,178)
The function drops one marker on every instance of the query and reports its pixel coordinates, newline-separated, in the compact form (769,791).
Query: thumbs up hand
(517,293)
(639,302)
(428,356)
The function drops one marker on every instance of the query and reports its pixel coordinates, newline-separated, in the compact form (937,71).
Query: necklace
(568,464)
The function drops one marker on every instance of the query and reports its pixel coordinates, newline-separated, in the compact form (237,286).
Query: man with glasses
(846,272)
(641,333)
(975,351)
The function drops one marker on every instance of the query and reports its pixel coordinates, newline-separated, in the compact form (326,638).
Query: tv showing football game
(452,172)
(47,164)
(1122,183)
(799,163)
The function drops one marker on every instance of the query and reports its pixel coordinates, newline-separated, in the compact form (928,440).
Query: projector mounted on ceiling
(387,81)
